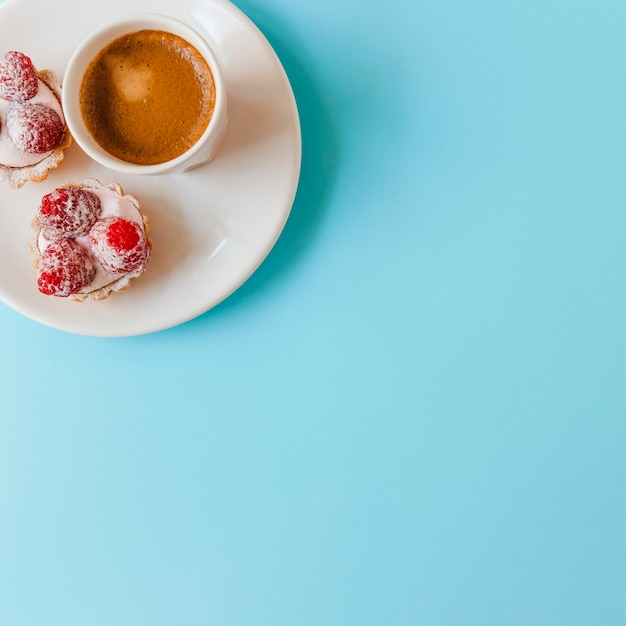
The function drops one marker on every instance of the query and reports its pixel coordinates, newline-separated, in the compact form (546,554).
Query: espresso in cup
(147,97)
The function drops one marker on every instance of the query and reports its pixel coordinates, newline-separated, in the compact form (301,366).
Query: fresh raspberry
(68,212)
(18,77)
(65,268)
(34,128)
(120,245)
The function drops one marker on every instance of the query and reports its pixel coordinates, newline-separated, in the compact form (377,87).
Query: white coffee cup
(202,151)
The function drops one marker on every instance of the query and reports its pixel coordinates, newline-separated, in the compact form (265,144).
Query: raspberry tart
(33,131)
(90,240)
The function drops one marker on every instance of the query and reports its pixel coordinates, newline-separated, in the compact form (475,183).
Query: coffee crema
(147,97)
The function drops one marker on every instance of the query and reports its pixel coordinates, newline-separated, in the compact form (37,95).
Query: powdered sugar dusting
(65,267)
(18,78)
(114,203)
(34,128)
(119,245)
(10,154)
(68,212)
(16,167)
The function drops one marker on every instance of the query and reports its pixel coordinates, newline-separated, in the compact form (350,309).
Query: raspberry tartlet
(33,131)
(90,240)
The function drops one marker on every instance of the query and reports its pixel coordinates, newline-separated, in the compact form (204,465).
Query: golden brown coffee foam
(147,97)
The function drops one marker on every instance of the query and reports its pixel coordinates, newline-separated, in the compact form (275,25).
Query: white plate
(211,227)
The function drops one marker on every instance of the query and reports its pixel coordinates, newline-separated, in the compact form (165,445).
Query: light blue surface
(414,413)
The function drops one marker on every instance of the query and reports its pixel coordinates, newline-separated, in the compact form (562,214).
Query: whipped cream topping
(113,205)
(10,154)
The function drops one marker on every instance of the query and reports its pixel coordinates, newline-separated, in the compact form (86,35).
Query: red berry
(34,128)
(119,244)
(68,212)
(65,268)
(18,77)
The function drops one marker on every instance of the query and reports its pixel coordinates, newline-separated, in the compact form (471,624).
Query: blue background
(414,412)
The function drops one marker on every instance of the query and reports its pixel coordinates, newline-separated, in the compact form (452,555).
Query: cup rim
(94,43)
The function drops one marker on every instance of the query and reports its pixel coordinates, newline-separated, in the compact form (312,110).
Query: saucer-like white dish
(211,227)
